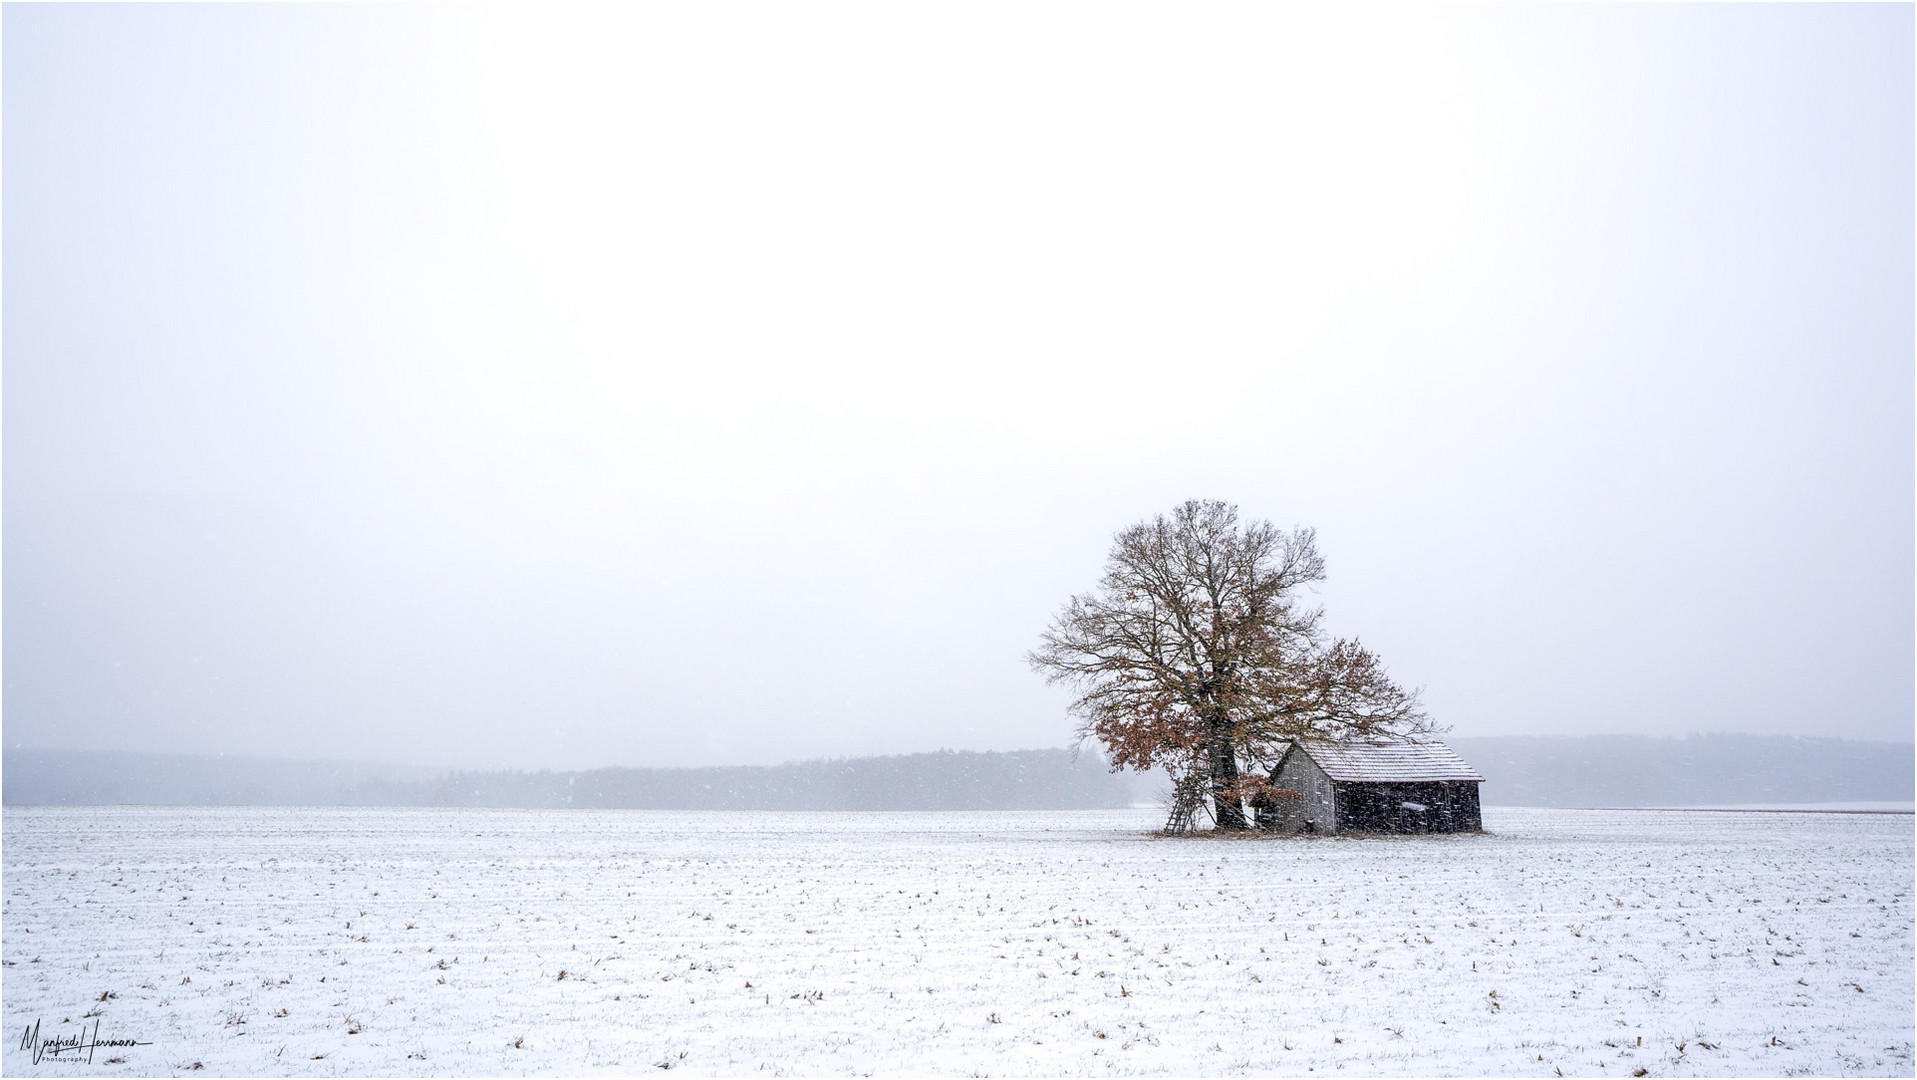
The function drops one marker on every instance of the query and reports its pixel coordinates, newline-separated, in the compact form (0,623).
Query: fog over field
(494,387)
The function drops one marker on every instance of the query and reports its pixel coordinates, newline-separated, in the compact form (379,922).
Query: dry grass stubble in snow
(426,942)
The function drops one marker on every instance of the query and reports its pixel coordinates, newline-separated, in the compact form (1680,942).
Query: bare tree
(1197,654)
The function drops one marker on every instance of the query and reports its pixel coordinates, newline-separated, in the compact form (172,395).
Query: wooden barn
(1398,787)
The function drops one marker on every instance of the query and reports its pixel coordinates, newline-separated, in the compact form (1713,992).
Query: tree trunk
(1227,812)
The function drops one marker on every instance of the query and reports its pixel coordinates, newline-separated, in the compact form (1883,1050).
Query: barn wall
(1449,806)
(1464,808)
(1315,807)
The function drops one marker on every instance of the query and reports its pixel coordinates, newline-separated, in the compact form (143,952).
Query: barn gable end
(1315,809)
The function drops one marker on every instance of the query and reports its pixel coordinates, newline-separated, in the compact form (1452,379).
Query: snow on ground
(1874,807)
(422,941)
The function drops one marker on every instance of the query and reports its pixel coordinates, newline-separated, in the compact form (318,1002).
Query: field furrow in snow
(420,941)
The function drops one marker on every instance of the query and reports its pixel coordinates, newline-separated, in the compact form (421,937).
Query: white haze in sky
(734,383)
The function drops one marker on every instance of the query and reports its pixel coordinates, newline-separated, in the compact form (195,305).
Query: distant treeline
(1698,770)
(946,780)
(1598,770)
(106,777)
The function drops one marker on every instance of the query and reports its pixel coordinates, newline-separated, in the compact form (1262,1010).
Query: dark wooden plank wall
(1435,806)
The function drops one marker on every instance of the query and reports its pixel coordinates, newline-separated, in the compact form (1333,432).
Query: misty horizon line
(1596,770)
(1081,749)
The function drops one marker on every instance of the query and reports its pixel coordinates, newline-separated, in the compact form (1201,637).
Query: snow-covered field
(418,941)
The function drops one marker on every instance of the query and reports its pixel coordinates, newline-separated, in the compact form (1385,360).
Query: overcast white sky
(747,382)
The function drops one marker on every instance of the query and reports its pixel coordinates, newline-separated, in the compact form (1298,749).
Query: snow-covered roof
(1385,762)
